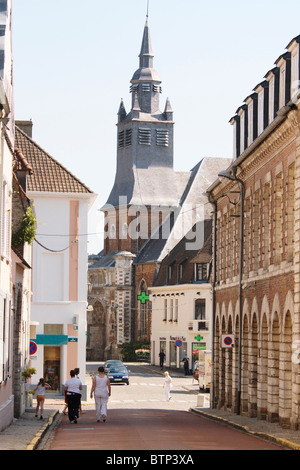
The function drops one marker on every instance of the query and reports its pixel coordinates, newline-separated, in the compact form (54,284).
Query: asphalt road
(140,419)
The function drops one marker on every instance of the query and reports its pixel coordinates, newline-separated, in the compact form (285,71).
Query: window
(200,309)
(134,88)
(176,310)
(170,269)
(50,329)
(162,137)
(146,87)
(144,136)
(201,271)
(124,138)
(121,139)
(157,88)
(171,310)
(165,310)
(128,137)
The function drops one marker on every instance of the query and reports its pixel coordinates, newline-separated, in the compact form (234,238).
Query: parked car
(118,374)
(112,363)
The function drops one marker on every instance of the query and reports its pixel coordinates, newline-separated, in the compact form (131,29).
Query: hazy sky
(73,62)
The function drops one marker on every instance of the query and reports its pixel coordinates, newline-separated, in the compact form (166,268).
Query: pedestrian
(185,361)
(77,376)
(102,391)
(161,359)
(40,396)
(167,385)
(73,386)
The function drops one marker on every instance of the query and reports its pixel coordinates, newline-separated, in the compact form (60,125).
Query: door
(52,367)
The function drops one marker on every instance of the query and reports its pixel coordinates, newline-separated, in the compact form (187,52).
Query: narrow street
(140,419)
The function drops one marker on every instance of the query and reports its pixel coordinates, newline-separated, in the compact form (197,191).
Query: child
(40,396)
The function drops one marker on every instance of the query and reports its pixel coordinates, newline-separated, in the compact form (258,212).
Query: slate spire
(146,54)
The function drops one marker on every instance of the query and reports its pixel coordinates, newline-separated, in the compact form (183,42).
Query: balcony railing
(198,325)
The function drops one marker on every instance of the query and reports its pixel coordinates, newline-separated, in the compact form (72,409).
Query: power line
(55,251)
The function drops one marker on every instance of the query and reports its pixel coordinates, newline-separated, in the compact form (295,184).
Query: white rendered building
(59,298)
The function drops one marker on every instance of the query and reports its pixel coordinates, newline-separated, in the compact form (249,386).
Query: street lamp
(232,176)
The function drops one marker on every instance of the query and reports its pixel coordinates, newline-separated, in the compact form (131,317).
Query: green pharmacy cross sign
(198,338)
(143,297)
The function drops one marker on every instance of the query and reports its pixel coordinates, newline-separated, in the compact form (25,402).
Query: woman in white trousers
(101,389)
(167,385)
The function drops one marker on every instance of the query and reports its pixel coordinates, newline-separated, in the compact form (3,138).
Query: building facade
(23,232)
(6,159)
(181,308)
(59,268)
(256,254)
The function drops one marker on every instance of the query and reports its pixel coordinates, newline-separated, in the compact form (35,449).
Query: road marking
(78,429)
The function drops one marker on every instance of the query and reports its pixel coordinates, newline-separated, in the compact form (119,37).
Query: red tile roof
(47,174)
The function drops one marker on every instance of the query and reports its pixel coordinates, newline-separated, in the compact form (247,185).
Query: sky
(74,59)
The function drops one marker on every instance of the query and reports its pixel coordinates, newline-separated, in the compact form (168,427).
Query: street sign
(178,343)
(143,297)
(227,341)
(32,348)
(73,339)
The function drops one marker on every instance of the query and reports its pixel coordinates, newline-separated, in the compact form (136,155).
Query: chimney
(25,126)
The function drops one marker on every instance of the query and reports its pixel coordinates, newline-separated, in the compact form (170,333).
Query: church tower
(145,182)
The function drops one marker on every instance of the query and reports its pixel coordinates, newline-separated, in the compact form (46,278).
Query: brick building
(256,256)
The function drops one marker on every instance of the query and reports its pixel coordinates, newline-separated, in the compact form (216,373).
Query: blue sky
(73,62)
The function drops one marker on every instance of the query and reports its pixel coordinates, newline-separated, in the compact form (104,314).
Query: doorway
(52,367)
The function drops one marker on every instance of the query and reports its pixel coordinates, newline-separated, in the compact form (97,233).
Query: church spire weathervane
(147,16)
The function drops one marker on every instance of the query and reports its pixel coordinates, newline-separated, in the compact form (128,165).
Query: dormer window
(284,64)
(201,271)
(144,136)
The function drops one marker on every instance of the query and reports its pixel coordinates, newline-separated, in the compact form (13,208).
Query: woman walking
(40,396)
(101,389)
(73,387)
(167,386)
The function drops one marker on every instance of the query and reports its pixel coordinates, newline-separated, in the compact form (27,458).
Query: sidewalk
(25,433)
